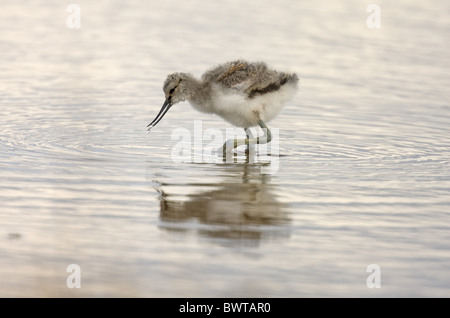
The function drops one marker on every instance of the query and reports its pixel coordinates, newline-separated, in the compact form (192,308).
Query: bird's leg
(250,140)
(248,132)
(267,133)
(249,136)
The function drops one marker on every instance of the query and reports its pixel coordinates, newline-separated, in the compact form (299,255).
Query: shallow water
(362,175)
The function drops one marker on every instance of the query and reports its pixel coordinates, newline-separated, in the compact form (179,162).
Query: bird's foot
(228,146)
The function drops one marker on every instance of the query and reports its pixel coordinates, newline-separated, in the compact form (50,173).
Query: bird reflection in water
(243,206)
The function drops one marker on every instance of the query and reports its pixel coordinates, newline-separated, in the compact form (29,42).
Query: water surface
(363,173)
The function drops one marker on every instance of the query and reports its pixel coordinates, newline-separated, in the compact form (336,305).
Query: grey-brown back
(251,78)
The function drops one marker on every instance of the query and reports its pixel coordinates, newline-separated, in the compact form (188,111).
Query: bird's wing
(251,79)
(237,74)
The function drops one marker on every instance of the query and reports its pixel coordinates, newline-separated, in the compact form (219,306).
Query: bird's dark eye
(172,90)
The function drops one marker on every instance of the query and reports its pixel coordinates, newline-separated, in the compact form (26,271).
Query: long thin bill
(165,107)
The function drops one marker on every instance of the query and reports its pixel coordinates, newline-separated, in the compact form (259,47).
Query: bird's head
(175,90)
(175,87)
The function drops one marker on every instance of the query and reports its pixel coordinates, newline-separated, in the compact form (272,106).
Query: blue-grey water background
(364,148)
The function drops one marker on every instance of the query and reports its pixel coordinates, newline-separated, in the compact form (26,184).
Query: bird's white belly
(244,112)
